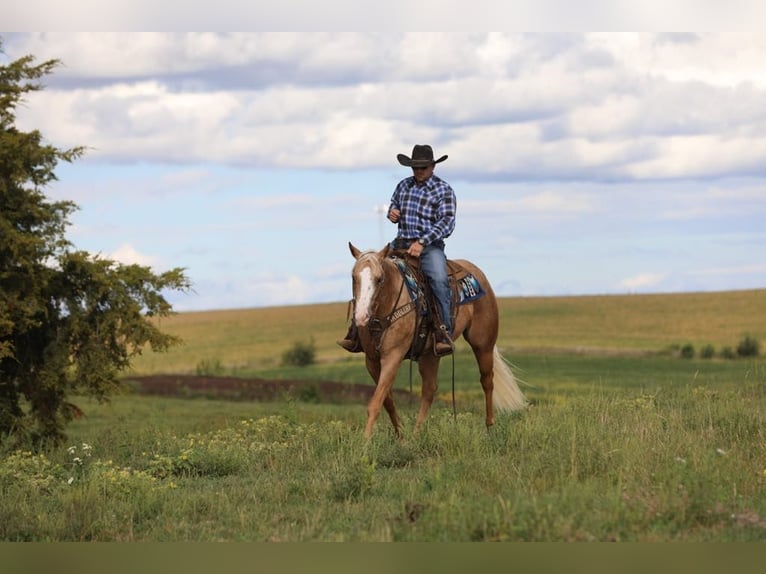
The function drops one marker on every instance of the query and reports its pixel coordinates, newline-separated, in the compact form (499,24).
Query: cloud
(616,106)
(546,203)
(642,281)
(338,15)
(274,289)
(577,158)
(128,255)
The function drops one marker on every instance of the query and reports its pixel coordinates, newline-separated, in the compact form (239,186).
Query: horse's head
(367,277)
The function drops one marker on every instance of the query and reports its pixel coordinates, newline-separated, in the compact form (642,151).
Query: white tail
(507,395)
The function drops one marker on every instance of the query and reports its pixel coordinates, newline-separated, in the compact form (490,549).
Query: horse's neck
(391,296)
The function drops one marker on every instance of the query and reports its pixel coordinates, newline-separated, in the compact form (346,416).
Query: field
(251,340)
(624,440)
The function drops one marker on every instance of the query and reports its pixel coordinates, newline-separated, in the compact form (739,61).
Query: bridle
(378,324)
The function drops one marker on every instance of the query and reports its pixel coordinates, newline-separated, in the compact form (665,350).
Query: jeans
(433,262)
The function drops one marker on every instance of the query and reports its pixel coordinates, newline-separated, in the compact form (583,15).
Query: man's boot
(442,343)
(351,341)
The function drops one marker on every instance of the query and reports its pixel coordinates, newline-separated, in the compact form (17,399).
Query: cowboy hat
(422,156)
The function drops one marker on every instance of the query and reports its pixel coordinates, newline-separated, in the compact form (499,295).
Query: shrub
(210,367)
(728,353)
(748,347)
(707,352)
(300,355)
(310,395)
(687,351)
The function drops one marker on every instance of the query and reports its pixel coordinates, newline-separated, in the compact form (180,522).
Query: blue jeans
(433,262)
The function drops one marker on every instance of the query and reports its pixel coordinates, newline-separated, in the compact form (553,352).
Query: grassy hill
(614,447)
(252,339)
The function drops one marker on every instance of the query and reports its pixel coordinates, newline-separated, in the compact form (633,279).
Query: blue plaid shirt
(427,210)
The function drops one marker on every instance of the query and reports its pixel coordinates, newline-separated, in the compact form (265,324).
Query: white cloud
(128,255)
(274,289)
(642,281)
(219,150)
(615,106)
(337,15)
(701,156)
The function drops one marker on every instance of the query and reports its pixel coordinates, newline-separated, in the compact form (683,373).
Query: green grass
(623,441)
(684,464)
(254,339)
(543,375)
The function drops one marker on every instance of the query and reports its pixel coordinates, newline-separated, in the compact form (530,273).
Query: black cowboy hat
(422,156)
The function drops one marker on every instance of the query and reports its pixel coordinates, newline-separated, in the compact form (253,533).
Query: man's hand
(394,215)
(415,249)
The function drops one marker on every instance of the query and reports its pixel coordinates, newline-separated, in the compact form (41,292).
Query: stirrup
(350,345)
(350,342)
(443,344)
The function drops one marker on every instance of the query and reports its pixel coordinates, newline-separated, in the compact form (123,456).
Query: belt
(402,243)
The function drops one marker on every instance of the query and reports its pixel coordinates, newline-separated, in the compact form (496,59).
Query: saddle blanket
(468,288)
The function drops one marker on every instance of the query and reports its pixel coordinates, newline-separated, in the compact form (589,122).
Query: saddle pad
(468,287)
(415,288)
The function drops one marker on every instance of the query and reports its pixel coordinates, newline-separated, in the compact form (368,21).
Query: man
(423,206)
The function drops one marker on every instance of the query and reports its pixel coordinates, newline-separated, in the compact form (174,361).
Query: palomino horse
(387,319)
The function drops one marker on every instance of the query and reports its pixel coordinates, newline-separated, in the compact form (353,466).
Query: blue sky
(582,163)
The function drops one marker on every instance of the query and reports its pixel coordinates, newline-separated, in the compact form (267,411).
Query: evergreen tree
(69,321)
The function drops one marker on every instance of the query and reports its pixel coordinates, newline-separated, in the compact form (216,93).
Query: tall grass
(682,463)
(621,442)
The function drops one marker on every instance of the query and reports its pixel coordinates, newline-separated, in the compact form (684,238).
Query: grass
(246,338)
(686,464)
(624,441)
(254,339)
(640,322)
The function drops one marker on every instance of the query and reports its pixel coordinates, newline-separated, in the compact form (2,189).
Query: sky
(583,163)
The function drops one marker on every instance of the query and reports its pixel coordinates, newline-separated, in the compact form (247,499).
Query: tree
(69,321)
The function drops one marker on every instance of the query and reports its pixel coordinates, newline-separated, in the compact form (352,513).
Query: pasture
(250,340)
(623,441)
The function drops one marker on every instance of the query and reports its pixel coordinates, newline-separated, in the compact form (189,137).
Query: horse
(387,320)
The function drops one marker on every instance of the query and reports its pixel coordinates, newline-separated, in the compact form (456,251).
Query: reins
(454,406)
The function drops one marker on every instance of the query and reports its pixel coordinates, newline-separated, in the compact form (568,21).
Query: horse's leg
(483,351)
(388,404)
(428,365)
(384,374)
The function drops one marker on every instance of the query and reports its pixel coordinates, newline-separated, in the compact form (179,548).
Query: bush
(728,353)
(210,368)
(300,355)
(310,395)
(748,347)
(687,351)
(707,352)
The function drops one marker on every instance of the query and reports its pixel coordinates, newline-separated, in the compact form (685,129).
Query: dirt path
(235,388)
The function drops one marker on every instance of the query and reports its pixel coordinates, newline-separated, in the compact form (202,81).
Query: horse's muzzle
(361,318)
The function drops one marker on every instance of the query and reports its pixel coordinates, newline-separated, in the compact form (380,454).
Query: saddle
(464,288)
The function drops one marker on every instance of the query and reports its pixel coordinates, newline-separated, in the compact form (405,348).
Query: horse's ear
(354,251)
(383,253)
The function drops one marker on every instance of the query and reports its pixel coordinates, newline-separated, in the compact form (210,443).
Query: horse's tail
(507,395)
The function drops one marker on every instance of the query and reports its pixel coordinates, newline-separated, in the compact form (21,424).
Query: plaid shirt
(427,210)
